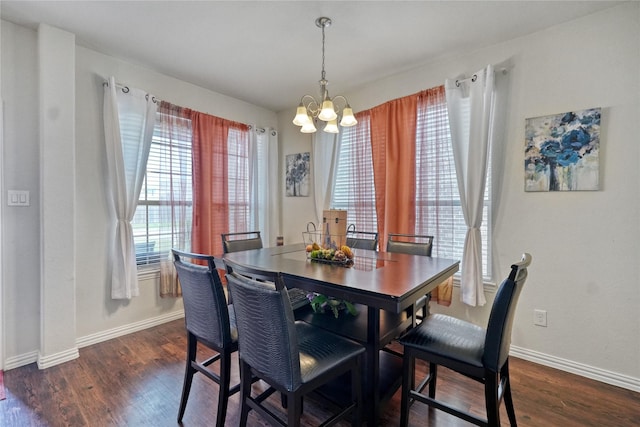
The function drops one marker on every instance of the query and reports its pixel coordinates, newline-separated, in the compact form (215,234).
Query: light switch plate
(18,198)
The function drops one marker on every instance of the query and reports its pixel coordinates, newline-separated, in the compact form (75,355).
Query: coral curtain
(129,118)
(435,180)
(210,184)
(174,210)
(471,140)
(393,133)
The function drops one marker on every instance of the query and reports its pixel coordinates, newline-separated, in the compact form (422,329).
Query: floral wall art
(297,178)
(562,151)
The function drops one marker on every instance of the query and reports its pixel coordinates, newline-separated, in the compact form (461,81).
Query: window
(165,209)
(163,217)
(239,182)
(354,188)
(438,209)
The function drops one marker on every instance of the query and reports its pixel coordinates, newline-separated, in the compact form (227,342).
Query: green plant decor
(322,304)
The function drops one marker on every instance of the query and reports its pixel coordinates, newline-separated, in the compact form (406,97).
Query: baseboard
(45,362)
(20,360)
(128,329)
(32,357)
(591,372)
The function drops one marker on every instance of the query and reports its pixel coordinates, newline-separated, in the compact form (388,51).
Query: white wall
(21,225)
(98,316)
(584,244)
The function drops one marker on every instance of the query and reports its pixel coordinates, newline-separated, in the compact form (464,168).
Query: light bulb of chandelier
(327,113)
(332,126)
(302,117)
(308,127)
(348,119)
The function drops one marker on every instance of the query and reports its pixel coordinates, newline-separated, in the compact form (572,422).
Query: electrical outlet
(540,317)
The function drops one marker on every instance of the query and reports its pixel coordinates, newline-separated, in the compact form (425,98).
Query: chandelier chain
(323,73)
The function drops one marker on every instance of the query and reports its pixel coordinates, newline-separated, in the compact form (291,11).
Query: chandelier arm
(310,103)
(335,104)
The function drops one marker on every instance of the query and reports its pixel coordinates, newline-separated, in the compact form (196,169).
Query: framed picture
(562,151)
(297,179)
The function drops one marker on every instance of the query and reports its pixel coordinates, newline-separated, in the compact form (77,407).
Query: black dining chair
(292,357)
(244,241)
(361,239)
(241,241)
(210,322)
(413,244)
(478,353)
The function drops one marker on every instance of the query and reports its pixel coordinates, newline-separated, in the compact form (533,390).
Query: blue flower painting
(297,179)
(562,152)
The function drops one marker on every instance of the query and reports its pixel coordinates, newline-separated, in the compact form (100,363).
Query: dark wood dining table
(383,286)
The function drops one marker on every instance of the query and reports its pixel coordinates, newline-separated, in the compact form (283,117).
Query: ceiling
(269,53)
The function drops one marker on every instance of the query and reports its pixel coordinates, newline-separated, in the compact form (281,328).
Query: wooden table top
(389,281)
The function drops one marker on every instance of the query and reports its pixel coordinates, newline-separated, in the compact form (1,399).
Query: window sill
(149,272)
(489,286)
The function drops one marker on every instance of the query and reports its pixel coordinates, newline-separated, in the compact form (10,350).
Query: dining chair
(210,322)
(292,357)
(231,243)
(241,241)
(361,239)
(478,353)
(413,244)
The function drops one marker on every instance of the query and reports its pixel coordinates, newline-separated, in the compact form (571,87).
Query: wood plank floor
(136,380)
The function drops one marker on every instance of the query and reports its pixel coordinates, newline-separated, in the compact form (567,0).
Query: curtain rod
(475,77)
(263,130)
(125,89)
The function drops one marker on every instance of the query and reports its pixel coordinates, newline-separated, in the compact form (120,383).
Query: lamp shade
(301,117)
(331,127)
(327,113)
(308,127)
(348,119)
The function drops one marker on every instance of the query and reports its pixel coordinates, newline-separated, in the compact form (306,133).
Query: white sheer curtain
(129,116)
(471,137)
(325,149)
(169,182)
(263,183)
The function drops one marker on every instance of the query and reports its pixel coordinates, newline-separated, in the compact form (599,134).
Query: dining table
(384,287)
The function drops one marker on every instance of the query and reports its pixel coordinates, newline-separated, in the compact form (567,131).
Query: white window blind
(354,188)
(238,176)
(166,197)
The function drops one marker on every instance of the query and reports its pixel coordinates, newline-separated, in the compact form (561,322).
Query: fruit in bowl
(344,255)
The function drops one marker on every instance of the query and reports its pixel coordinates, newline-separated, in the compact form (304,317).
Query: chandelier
(327,109)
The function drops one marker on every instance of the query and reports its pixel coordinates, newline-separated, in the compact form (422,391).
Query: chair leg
(408,372)
(245,392)
(223,393)
(491,398)
(356,393)
(192,346)
(508,400)
(433,372)
(294,410)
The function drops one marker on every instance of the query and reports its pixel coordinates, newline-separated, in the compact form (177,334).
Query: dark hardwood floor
(136,380)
